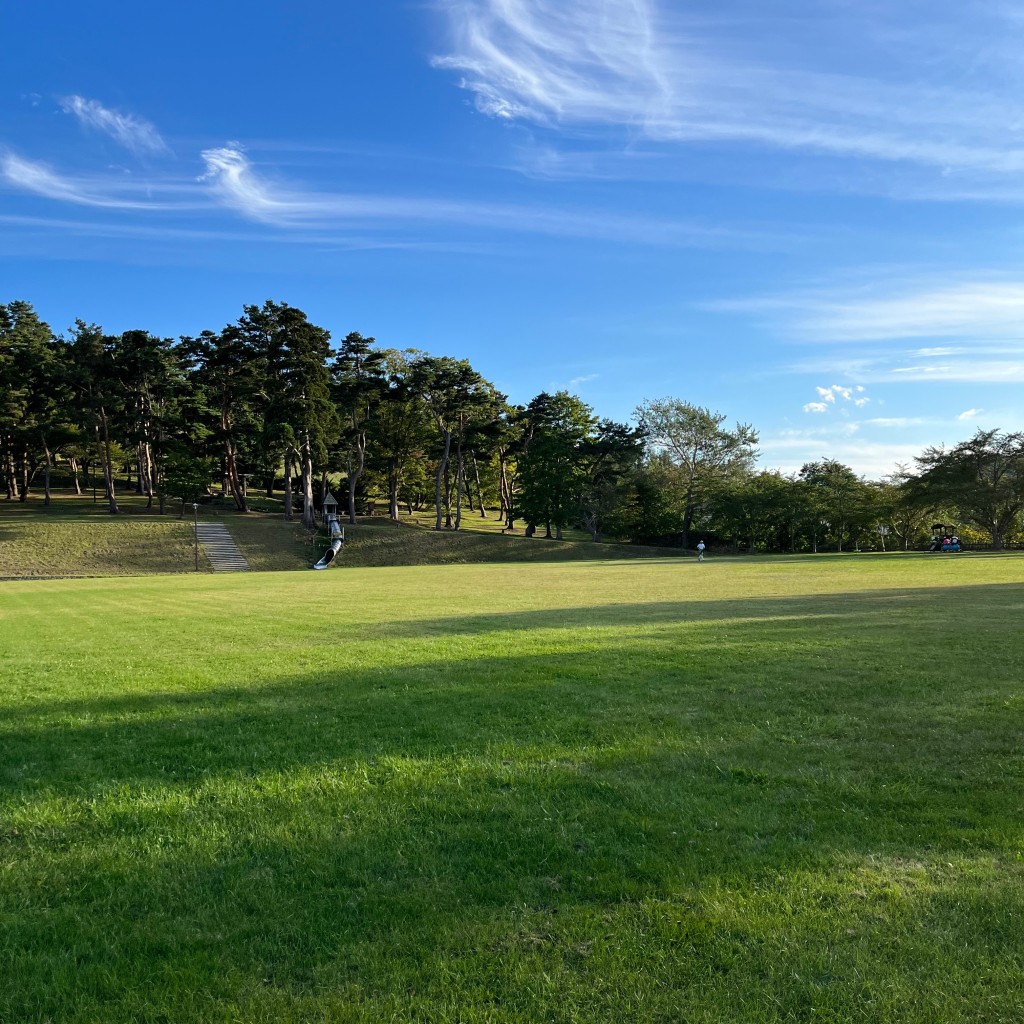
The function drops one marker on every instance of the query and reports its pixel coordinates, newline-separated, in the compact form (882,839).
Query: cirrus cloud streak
(655,74)
(134,133)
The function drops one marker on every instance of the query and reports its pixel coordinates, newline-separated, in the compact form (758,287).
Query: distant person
(700,551)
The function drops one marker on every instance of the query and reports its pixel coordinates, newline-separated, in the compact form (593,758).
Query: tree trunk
(288,513)
(355,474)
(687,523)
(460,476)
(146,472)
(230,464)
(233,481)
(442,470)
(46,476)
(393,488)
(308,512)
(108,464)
(479,489)
(447,496)
(503,501)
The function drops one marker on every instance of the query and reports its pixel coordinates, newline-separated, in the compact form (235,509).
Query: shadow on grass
(863,610)
(706,824)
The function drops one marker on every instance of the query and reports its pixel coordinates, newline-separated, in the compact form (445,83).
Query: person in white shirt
(700,551)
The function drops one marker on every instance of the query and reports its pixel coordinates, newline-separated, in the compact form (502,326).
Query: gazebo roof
(330,499)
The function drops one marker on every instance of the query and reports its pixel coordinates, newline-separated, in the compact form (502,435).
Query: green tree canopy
(982,478)
(552,466)
(705,454)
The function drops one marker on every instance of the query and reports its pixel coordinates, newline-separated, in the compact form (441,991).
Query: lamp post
(195,532)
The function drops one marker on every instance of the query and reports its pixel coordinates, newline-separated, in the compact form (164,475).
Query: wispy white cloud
(891,367)
(231,176)
(863,330)
(584,379)
(939,350)
(895,421)
(969,414)
(233,180)
(38,178)
(984,371)
(788,450)
(661,75)
(134,133)
(982,309)
(576,61)
(973,309)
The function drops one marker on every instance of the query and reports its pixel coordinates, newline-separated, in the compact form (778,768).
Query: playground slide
(337,543)
(330,553)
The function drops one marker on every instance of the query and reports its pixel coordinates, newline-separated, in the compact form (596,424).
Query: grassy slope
(76,538)
(92,547)
(380,542)
(638,791)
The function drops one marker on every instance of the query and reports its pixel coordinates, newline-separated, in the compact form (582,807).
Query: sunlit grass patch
(94,547)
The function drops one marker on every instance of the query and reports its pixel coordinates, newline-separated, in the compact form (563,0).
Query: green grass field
(633,790)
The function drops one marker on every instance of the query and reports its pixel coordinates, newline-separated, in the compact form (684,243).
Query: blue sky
(804,215)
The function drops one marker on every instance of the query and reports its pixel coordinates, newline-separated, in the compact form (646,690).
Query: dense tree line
(268,404)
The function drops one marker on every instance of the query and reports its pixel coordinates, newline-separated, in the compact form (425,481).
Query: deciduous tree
(982,478)
(705,454)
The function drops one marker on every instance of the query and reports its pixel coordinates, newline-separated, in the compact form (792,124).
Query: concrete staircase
(220,548)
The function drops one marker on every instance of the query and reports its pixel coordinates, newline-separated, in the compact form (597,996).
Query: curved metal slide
(337,543)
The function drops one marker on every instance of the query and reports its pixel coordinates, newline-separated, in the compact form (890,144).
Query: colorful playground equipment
(944,538)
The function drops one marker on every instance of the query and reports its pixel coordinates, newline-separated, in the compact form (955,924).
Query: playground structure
(334,529)
(944,538)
